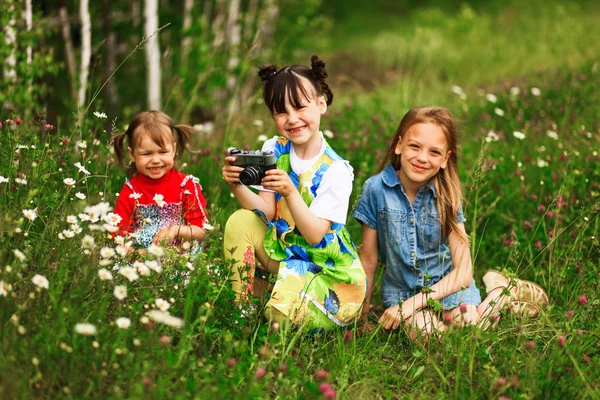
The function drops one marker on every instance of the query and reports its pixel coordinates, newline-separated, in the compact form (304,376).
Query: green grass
(216,354)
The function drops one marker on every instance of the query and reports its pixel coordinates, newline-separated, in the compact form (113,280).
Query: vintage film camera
(255,164)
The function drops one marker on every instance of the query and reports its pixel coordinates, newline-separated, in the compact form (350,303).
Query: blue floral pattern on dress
(332,303)
(318,177)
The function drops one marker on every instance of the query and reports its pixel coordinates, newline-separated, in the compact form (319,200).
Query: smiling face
(152,159)
(300,123)
(423,151)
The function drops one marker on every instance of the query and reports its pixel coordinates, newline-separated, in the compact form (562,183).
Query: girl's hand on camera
(278,181)
(231,173)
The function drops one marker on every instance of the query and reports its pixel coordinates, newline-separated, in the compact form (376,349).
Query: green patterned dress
(322,285)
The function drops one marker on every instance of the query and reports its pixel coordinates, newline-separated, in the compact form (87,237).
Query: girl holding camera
(295,225)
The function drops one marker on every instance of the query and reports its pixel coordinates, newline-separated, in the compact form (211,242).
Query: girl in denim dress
(412,219)
(294,227)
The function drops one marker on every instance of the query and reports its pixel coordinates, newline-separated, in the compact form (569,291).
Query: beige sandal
(520,290)
(524,308)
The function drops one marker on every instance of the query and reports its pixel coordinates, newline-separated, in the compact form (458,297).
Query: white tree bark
(217,24)
(152,49)
(28,24)
(86,49)
(10,38)
(186,42)
(66,33)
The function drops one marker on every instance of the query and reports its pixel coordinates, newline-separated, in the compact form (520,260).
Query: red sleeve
(194,202)
(124,208)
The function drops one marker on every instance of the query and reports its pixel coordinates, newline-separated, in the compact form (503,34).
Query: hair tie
(267,72)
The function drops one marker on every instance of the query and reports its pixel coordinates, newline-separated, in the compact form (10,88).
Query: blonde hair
(155,124)
(446,181)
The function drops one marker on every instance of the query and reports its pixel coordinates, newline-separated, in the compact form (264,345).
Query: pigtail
(183,134)
(319,72)
(267,72)
(118,145)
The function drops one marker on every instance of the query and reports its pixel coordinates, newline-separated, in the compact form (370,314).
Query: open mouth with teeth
(297,130)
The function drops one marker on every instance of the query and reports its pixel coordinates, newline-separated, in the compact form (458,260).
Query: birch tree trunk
(233,31)
(152,49)
(110,63)
(10,38)
(217,25)
(86,49)
(28,23)
(186,42)
(66,34)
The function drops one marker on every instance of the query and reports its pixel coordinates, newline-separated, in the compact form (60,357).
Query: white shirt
(333,194)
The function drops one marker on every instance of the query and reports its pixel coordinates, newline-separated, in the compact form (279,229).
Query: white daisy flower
(499,112)
(154,266)
(21,181)
(552,135)
(263,138)
(129,273)
(535,91)
(69,181)
(19,254)
(123,323)
(105,274)
(257,122)
(85,329)
(30,214)
(76,229)
(122,250)
(190,266)
(40,281)
(112,219)
(327,133)
(80,167)
(5,288)
(208,227)
(84,217)
(141,268)
(491,98)
(120,292)
(88,242)
(515,91)
(71,219)
(107,252)
(4,180)
(68,233)
(80,196)
(110,228)
(165,318)
(162,305)
(492,137)
(159,199)
(156,250)
(519,135)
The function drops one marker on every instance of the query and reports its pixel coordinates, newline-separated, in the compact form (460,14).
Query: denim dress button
(412,254)
(411,220)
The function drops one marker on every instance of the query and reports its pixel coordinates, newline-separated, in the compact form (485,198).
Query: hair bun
(267,72)
(318,68)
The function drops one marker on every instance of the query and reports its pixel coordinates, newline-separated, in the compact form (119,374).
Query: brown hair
(288,83)
(155,124)
(446,181)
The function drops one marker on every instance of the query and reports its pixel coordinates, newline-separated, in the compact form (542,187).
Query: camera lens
(251,176)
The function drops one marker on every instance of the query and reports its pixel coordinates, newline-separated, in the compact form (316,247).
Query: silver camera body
(255,163)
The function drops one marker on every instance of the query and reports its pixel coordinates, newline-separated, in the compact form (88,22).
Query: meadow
(522,80)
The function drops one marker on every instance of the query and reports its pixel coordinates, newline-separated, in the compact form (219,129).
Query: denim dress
(410,239)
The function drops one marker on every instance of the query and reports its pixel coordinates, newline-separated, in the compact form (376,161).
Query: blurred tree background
(207,50)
